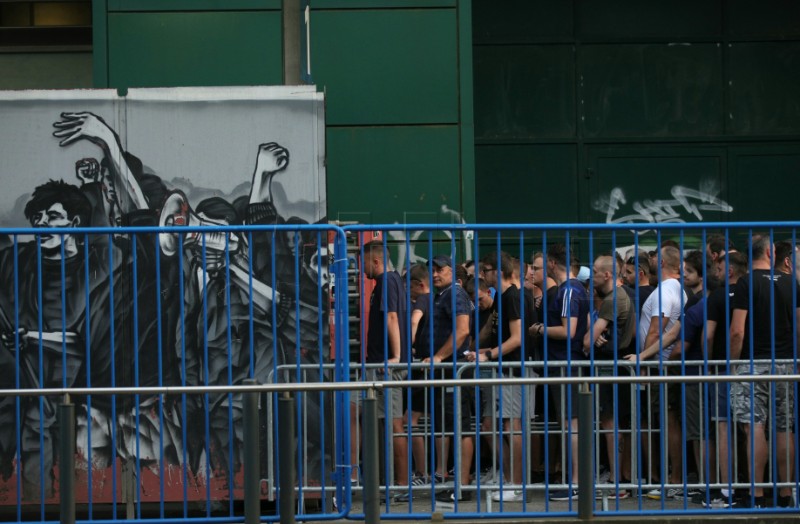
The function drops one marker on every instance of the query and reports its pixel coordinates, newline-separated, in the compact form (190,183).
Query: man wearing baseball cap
(451,316)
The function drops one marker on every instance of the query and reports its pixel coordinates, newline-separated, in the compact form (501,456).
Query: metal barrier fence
(165,307)
(128,321)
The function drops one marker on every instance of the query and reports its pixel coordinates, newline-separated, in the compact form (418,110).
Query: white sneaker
(488,477)
(670,493)
(508,495)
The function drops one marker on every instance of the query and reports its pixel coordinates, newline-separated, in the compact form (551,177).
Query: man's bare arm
(393,335)
(513,341)
(738,320)
(591,335)
(416,316)
(667,339)
(708,340)
(656,323)
(569,325)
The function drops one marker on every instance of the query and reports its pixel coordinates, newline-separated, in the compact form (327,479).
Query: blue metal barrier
(166,306)
(659,479)
(215,306)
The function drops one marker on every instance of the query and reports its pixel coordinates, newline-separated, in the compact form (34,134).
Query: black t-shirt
(422,337)
(644,293)
(377,340)
(693,298)
(720,309)
(505,311)
(529,350)
(763,292)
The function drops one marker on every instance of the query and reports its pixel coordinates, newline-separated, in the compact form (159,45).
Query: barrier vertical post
(252,459)
(372,508)
(66,460)
(287,471)
(585,464)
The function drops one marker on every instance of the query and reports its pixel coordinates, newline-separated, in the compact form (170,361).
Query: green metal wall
(397,76)
(572,98)
(577,98)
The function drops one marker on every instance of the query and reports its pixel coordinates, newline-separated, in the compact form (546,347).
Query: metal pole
(66,424)
(585,465)
(372,505)
(287,471)
(291,42)
(252,459)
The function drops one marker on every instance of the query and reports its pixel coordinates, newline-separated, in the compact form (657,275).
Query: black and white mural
(114,309)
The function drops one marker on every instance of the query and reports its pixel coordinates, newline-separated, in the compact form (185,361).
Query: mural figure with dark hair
(70,278)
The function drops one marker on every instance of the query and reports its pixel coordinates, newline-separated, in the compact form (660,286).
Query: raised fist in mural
(76,126)
(88,170)
(271,159)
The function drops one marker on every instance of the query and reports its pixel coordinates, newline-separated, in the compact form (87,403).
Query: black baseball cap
(442,261)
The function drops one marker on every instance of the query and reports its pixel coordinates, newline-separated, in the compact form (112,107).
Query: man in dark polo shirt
(452,309)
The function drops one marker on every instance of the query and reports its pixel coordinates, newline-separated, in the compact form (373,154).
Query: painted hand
(76,126)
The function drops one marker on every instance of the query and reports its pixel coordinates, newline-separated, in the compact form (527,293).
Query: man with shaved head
(610,337)
(386,344)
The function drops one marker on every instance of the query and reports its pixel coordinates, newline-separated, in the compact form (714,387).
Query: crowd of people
(670,311)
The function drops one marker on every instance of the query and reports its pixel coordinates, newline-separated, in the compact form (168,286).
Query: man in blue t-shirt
(386,344)
(563,330)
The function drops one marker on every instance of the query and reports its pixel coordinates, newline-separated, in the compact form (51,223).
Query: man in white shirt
(660,312)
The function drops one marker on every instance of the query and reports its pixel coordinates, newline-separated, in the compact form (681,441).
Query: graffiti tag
(686,203)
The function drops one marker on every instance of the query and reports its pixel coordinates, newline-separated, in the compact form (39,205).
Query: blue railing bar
(404,227)
(224,519)
(732,513)
(168,229)
(467,516)
(567,227)
(622,364)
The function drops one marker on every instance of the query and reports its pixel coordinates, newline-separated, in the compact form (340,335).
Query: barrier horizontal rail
(390,384)
(628,226)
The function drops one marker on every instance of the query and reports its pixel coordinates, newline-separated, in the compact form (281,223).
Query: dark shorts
(564,397)
(442,405)
(448,405)
(611,406)
(416,399)
(613,400)
(693,414)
